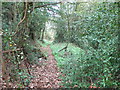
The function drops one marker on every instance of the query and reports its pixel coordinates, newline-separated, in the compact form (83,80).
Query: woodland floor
(46,75)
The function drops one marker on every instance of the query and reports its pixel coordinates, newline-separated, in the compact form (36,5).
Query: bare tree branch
(47,4)
(22,18)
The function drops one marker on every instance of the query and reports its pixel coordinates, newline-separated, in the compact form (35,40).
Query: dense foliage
(86,43)
(95,30)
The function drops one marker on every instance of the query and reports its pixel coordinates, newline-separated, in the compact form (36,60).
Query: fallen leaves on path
(46,75)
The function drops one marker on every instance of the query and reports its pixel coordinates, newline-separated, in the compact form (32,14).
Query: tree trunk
(0,42)
(2,63)
(1,59)
(43,34)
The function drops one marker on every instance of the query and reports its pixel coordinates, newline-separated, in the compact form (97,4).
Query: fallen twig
(63,48)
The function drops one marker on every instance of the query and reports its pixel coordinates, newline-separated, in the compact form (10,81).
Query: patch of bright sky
(60,0)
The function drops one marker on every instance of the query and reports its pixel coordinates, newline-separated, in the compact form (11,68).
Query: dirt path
(46,75)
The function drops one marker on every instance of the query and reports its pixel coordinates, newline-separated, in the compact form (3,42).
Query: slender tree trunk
(119,44)
(2,63)
(0,42)
(1,59)
(15,12)
(43,34)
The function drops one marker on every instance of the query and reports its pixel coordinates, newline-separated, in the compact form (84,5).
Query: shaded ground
(46,75)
